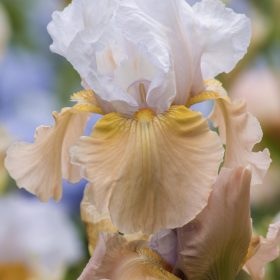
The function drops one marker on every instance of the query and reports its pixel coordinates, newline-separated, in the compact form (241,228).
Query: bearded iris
(217,244)
(151,161)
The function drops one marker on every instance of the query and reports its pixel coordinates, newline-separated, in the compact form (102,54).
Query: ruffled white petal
(180,23)
(214,245)
(267,251)
(205,40)
(39,167)
(240,132)
(224,37)
(115,47)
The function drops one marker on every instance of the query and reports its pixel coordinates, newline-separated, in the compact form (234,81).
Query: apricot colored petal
(240,131)
(267,251)
(39,167)
(165,165)
(100,222)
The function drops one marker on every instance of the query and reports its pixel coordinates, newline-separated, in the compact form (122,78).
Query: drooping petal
(97,223)
(268,250)
(240,132)
(117,259)
(214,245)
(224,37)
(165,165)
(39,167)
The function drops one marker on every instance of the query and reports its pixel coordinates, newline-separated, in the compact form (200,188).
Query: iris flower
(37,241)
(151,161)
(216,245)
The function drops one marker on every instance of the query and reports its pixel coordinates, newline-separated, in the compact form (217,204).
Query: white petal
(267,252)
(75,18)
(116,47)
(223,35)
(39,167)
(180,23)
(205,40)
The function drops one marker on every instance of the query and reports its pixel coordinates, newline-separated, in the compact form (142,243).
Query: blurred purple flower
(26,82)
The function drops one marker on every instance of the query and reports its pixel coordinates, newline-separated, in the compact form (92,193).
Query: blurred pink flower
(261,90)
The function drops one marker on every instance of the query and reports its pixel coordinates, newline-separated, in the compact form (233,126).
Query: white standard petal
(39,167)
(223,35)
(117,50)
(180,23)
(205,40)
(75,18)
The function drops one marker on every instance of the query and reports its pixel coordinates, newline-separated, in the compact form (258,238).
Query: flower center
(144,115)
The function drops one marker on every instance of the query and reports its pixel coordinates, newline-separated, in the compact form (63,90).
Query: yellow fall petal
(151,172)
(39,167)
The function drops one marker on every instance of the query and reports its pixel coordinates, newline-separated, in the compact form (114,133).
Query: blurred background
(49,239)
